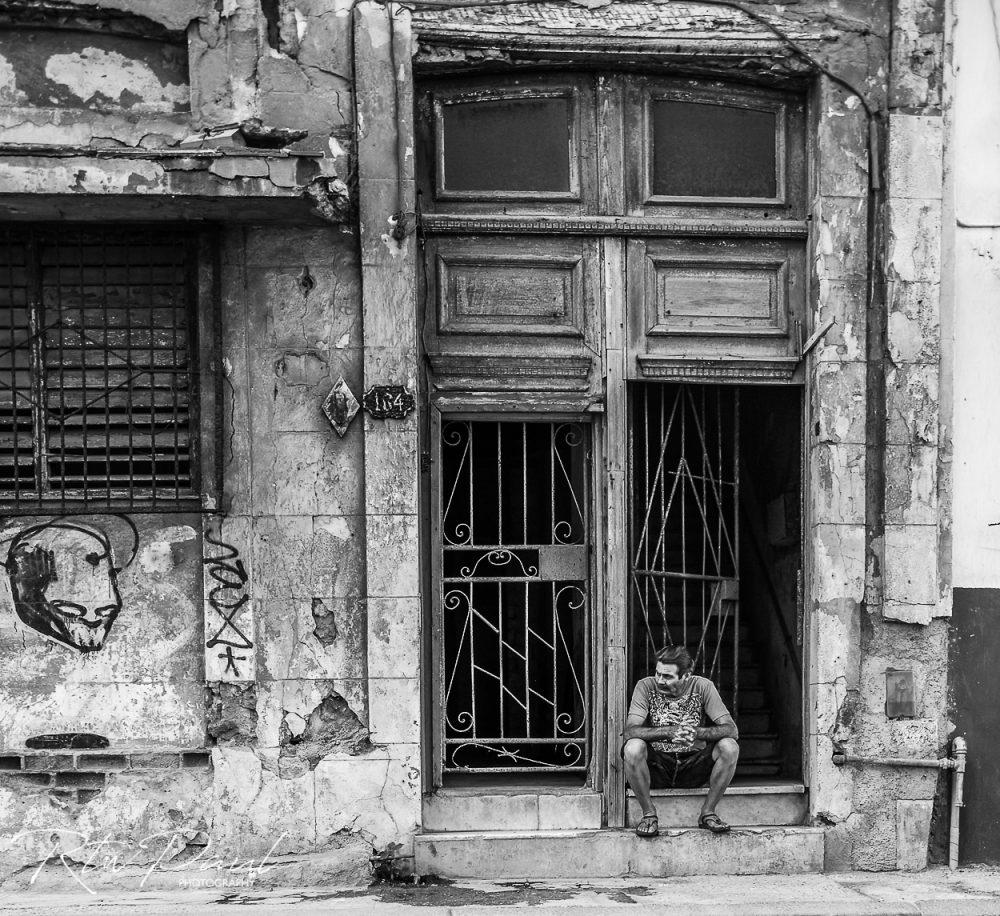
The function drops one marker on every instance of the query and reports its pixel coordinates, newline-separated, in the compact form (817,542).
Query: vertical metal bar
(177,361)
(736,544)
(683,466)
(527,656)
(472,657)
(499,484)
(705,534)
(472,465)
(11,328)
(552,482)
(524,483)
(36,360)
(107,377)
(500,665)
(153,377)
(555,658)
(85,375)
(130,408)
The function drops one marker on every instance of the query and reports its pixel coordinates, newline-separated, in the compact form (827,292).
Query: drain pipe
(956,762)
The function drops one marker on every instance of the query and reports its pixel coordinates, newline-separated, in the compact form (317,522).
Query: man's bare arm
(634,728)
(724,728)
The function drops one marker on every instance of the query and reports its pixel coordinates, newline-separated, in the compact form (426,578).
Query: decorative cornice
(720,370)
(611,225)
(499,367)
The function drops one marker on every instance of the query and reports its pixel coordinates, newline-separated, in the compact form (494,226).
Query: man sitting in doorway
(679,734)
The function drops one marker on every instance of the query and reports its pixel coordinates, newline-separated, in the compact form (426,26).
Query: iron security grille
(684,589)
(514,670)
(97,335)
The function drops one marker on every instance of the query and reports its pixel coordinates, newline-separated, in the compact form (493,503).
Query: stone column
(384,98)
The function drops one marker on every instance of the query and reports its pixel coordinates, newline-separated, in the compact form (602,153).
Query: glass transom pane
(507,145)
(702,150)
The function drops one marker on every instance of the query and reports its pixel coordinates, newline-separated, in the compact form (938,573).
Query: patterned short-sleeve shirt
(699,703)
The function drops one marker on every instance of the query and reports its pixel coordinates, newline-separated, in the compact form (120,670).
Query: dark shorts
(678,771)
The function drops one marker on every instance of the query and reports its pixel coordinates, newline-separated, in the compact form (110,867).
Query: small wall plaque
(340,407)
(900,696)
(388,402)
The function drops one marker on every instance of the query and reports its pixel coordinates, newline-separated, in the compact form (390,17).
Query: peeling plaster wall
(881,576)
(294,770)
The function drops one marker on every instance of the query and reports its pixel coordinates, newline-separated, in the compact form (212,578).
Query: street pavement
(935,892)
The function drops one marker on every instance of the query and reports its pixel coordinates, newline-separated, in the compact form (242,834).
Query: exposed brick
(10,762)
(80,780)
(48,762)
(67,794)
(196,759)
(100,762)
(32,779)
(154,761)
(85,795)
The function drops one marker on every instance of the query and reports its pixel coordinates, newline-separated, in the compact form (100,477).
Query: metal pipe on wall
(956,762)
(959,750)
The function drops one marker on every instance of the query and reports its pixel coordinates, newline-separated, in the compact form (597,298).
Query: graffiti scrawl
(227,597)
(64,582)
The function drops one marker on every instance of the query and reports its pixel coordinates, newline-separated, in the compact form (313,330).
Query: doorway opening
(715,552)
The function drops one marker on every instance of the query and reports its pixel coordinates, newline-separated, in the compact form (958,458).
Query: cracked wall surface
(315,730)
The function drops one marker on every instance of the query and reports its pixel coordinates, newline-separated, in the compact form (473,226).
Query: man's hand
(675,734)
(684,734)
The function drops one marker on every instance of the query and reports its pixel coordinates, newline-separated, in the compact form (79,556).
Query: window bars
(684,535)
(97,386)
(514,634)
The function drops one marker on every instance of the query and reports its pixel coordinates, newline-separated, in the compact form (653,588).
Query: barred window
(97,356)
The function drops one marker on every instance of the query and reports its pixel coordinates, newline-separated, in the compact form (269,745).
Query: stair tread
(570,833)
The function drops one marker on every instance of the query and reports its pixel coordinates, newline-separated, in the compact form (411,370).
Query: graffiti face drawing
(64,583)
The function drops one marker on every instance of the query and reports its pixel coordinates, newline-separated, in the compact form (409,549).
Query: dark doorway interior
(715,552)
(771,562)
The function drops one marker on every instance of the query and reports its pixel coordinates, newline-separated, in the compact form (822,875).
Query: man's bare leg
(637,773)
(726,753)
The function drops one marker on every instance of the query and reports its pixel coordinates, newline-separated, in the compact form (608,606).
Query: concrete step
(616,853)
(757,747)
(521,809)
(754,722)
(768,767)
(777,804)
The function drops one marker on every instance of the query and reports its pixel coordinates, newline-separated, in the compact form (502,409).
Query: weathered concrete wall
(875,446)
(312,707)
(975,278)
(273,686)
(136,679)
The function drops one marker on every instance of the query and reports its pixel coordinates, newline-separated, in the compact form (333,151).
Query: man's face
(669,680)
(64,585)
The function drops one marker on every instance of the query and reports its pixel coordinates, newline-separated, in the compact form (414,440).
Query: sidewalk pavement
(936,892)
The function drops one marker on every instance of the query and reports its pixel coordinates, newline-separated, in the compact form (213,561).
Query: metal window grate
(96,365)
(684,532)
(514,676)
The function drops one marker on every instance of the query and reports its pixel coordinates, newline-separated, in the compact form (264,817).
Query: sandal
(649,826)
(714,823)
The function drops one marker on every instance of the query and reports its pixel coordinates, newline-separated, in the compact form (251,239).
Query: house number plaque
(388,402)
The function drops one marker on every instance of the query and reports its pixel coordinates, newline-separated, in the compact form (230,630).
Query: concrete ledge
(777,805)
(616,853)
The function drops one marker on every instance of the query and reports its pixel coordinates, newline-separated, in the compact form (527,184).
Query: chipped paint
(95,74)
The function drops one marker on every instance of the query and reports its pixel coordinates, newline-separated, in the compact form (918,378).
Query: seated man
(668,743)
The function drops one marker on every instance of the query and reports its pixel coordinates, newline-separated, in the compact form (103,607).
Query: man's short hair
(675,655)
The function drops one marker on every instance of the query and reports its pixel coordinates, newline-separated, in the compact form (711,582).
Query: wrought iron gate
(513,615)
(684,534)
